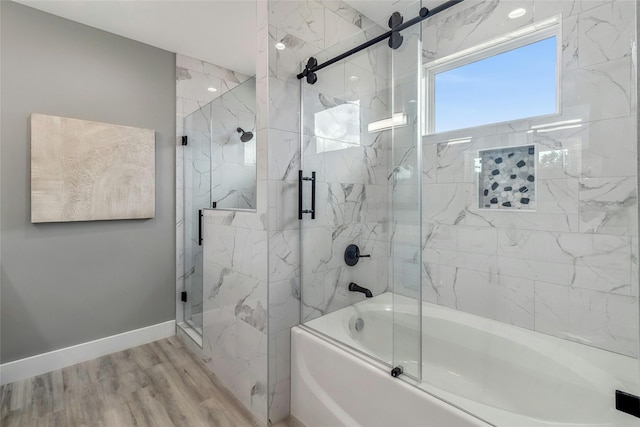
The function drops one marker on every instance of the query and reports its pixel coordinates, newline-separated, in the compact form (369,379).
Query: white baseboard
(19,370)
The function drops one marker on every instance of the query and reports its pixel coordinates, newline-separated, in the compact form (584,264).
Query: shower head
(246,136)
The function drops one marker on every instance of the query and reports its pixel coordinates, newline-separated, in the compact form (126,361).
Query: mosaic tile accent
(507,178)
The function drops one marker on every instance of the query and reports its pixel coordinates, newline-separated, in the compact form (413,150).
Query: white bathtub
(505,375)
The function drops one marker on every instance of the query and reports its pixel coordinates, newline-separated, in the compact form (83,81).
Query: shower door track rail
(312,65)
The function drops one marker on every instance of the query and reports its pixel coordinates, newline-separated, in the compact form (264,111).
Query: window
(509,80)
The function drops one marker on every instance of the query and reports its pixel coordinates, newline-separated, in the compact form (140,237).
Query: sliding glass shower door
(361,245)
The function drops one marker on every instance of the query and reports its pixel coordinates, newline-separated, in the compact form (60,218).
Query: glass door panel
(404,199)
(350,162)
(197,194)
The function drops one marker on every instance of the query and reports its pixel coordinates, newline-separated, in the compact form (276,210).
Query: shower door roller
(396,372)
(301,179)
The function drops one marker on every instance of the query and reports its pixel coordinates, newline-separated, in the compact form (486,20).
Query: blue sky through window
(512,85)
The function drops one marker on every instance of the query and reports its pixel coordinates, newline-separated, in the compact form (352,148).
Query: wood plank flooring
(155,385)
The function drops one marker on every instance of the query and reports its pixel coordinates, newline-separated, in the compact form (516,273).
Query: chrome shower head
(246,136)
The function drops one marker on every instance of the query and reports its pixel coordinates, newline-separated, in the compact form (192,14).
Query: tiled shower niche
(507,178)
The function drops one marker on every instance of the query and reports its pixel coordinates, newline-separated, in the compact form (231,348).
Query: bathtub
(504,375)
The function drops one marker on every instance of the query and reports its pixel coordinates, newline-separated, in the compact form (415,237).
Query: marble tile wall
(235,305)
(193,78)
(233,176)
(231,264)
(570,268)
(351,179)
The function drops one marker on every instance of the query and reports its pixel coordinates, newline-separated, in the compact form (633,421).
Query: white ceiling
(222,32)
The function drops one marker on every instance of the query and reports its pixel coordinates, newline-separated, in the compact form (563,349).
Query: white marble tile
(346,12)
(542,221)
(279,402)
(219,338)
(312,296)
(305,20)
(609,206)
(337,29)
(430,282)
(462,239)
(502,298)
(429,163)
(472,261)
(251,390)
(596,261)
(284,155)
(284,255)
(634,266)
(189,63)
(250,298)
(606,32)
(583,87)
(546,9)
(250,253)
(337,295)
(375,59)
(353,203)
(327,93)
(366,88)
(283,355)
(283,105)
(544,271)
(475,22)
(444,203)
(570,46)
(194,87)
(557,196)
(284,304)
(290,61)
(551,308)
(265,56)
(287,205)
(604,320)
(609,149)
(262,103)
(559,152)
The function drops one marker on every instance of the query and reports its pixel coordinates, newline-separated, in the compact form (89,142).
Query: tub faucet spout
(355,288)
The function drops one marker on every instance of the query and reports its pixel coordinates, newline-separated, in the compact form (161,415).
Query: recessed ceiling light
(517,13)
(212,89)
(281,46)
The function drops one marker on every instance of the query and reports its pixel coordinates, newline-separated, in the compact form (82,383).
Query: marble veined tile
(284,304)
(305,20)
(606,32)
(507,299)
(476,22)
(609,206)
(584,86)
(609,149)
(604,320)
(551,308)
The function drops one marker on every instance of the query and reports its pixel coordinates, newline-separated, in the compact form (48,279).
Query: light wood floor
(156,385)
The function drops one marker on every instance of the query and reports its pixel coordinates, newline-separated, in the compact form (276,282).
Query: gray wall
(68,283)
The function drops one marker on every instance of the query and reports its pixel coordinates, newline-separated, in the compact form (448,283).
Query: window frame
(515,40)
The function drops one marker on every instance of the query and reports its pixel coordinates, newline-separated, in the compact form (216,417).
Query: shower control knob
(352,255)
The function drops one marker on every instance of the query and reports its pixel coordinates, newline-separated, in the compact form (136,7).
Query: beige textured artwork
(87,171)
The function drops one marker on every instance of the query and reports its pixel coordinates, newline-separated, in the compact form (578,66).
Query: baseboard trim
(28,367)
